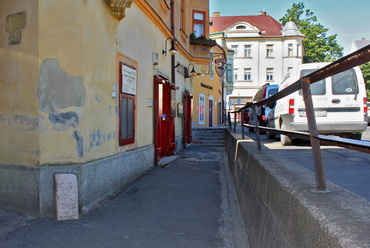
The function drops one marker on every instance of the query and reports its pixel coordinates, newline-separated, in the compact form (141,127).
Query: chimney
(216,14)
(263,13)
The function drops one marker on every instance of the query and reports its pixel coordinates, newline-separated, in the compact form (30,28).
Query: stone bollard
(66,197)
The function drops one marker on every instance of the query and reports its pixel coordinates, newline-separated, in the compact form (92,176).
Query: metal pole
(256,129)
(229,119)
(242,120)
(234,122)
(315,143)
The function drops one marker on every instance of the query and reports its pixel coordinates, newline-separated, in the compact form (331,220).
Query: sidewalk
(190,203)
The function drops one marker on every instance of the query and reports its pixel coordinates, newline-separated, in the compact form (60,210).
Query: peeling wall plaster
(57,89)
(25,122)
(63,121)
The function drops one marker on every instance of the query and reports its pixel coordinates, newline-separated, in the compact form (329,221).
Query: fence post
(234,122)
(256,128)
(229,119)
(315,143)
(242,121)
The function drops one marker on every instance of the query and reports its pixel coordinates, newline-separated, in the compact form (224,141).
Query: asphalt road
(346,168)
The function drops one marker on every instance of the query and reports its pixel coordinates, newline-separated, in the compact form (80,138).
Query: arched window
(241,27)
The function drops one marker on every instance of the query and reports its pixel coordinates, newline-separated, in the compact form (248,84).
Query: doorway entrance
(164,116)
(210,115)
(188,115)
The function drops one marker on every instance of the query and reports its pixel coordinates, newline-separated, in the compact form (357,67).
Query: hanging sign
(128,80)
(220,66)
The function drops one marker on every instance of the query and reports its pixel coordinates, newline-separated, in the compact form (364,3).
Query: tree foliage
(365,68)
(319,46)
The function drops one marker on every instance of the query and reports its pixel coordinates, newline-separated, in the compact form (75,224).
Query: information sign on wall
(128,80)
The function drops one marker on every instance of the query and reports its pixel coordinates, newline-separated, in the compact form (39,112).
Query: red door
(164,128)
(188,114)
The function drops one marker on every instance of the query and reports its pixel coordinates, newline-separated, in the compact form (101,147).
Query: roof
(262,22)
(290,29)
(361,43)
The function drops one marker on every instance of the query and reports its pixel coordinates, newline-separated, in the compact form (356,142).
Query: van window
(272,91)
(345,83)
(318,88)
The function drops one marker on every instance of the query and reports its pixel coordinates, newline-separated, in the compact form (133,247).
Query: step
(210,144)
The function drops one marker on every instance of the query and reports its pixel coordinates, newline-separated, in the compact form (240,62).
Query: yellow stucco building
(97,94)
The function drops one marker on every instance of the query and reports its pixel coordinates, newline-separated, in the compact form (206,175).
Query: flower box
(202,41)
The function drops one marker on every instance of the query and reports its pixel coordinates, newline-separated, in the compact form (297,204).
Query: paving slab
(189,203)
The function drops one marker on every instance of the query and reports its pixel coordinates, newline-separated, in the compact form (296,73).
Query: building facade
(210,90)
(264,51)
(99,95)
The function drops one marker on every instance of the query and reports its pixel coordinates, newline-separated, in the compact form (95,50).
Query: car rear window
(345,83)
(272,92)
(317,88)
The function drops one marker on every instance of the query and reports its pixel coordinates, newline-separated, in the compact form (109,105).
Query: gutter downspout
(173,59)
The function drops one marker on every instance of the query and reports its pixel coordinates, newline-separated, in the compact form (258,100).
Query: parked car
(265,92)
(339,104)
(368,113)
(246,116)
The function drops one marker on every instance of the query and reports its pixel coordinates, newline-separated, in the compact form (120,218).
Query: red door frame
(164,124)
(188,115)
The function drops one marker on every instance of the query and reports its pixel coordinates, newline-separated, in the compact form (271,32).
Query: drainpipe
(173,59)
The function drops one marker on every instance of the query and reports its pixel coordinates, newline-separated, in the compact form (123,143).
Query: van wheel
(270,135)
(285,140)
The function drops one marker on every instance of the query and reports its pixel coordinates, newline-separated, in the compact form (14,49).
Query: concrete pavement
(189,203)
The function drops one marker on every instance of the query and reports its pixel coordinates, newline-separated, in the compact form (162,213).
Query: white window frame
(235,48)
(269,74)
(247,74)
(235,74)
(247,51)
(298,50)
(290,50)
(269,51)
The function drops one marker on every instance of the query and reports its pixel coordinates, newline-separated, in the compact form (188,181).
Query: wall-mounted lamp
(193,73)
(172,50)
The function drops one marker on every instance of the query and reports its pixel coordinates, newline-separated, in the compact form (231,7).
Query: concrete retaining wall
(281,208)
(30,190)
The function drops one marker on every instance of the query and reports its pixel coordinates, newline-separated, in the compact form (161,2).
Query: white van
(339,103)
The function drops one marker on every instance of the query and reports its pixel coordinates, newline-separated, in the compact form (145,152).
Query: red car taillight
(365,105)
(291,106)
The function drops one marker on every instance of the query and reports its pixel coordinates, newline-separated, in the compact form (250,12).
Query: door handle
(336,101)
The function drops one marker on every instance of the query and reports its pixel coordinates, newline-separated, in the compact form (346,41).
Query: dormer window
(241,27)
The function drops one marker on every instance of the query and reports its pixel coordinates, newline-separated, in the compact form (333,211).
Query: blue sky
(348,19)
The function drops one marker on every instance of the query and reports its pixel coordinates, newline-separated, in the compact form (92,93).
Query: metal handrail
(356,58)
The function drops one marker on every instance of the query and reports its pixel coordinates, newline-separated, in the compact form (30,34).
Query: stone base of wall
(179,143)
(30,190)
(281,207)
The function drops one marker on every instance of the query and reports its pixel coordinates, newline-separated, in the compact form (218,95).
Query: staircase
(209,136)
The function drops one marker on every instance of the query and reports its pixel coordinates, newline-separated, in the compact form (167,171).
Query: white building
(358,44)
(265,51)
